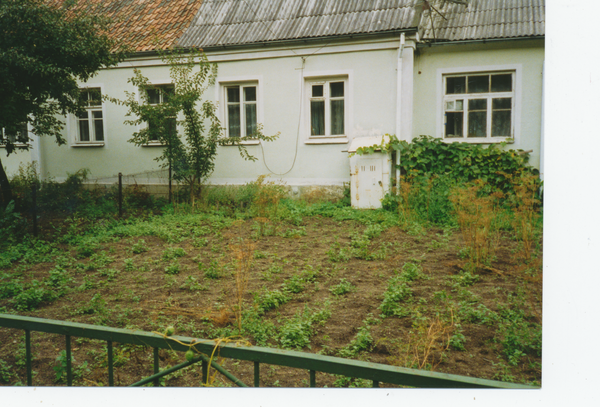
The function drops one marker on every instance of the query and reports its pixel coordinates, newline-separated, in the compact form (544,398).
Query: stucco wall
(526,56)
(371,69)
(370,99)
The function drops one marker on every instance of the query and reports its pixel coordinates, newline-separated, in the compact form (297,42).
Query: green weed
(344,287)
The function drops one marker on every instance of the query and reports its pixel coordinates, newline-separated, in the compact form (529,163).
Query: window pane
(317,91)
(152,130)
(250,94)
(337,117)
(478,104)
(153,96)
(478,84)
(84,130)
(459,105)
(22,134)
(233,94)
(477,124)
(233,120)
(95,97)
(250,119)
(502,83)
(454,124)
(317,117)
(336,89)
(166,92)
(455,85)
(501,103)
(98,126)
(501,123)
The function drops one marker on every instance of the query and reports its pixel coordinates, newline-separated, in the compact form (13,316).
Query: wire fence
(154,182)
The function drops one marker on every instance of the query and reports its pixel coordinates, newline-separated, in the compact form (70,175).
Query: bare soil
(147,298)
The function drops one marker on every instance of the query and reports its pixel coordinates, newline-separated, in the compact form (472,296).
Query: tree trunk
(4,187)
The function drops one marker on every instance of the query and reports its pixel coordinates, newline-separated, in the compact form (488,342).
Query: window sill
(90,144)
(327,140)
(481,140)
(18,145)
(154,144)
(233,143)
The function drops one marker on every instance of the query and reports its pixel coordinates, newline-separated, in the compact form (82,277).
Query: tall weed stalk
(477,215)
(524,203)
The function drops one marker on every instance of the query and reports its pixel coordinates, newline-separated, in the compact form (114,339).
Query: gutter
(290,42)
(424,44)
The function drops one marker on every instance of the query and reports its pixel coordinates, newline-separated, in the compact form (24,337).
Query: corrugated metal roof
(483,19)
(232,22)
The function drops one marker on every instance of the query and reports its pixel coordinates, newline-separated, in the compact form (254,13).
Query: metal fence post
(156,367)
(109,349)
(256,374)
(28,357)
(120,195)
(69,366)
(34,208)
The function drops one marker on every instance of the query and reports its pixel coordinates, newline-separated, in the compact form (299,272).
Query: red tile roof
(144,25)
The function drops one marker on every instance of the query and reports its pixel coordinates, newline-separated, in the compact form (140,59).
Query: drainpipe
(542,131)
(36,154)
(404,94)
(399,107)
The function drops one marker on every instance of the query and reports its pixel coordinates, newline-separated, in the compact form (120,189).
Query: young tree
(190,155)
(46,48)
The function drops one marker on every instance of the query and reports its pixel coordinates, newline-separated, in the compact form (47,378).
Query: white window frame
(515,95)
(155,84)
(221,96)
(325,78)
(73,122)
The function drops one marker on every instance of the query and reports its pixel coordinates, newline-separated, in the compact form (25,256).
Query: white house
(321,73)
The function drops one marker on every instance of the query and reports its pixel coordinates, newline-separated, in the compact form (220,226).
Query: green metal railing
(377,373)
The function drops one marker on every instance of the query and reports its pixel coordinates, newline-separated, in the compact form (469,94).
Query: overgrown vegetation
(447,277)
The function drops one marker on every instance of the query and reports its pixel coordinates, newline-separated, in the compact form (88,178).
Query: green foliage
(351,382)
(411,272)
(32,296)
(97,305)
(481,314)
(297,331)
(519,335)
(191,155)
(172,253)
(294,285)
(397,292)
(427,156)
(6,375)
(344,287)
(46,50)
(464,279)
(139,247)
(363,341)
(214,271)
(191,283)
(60,369)
(269,300)
(173,268)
